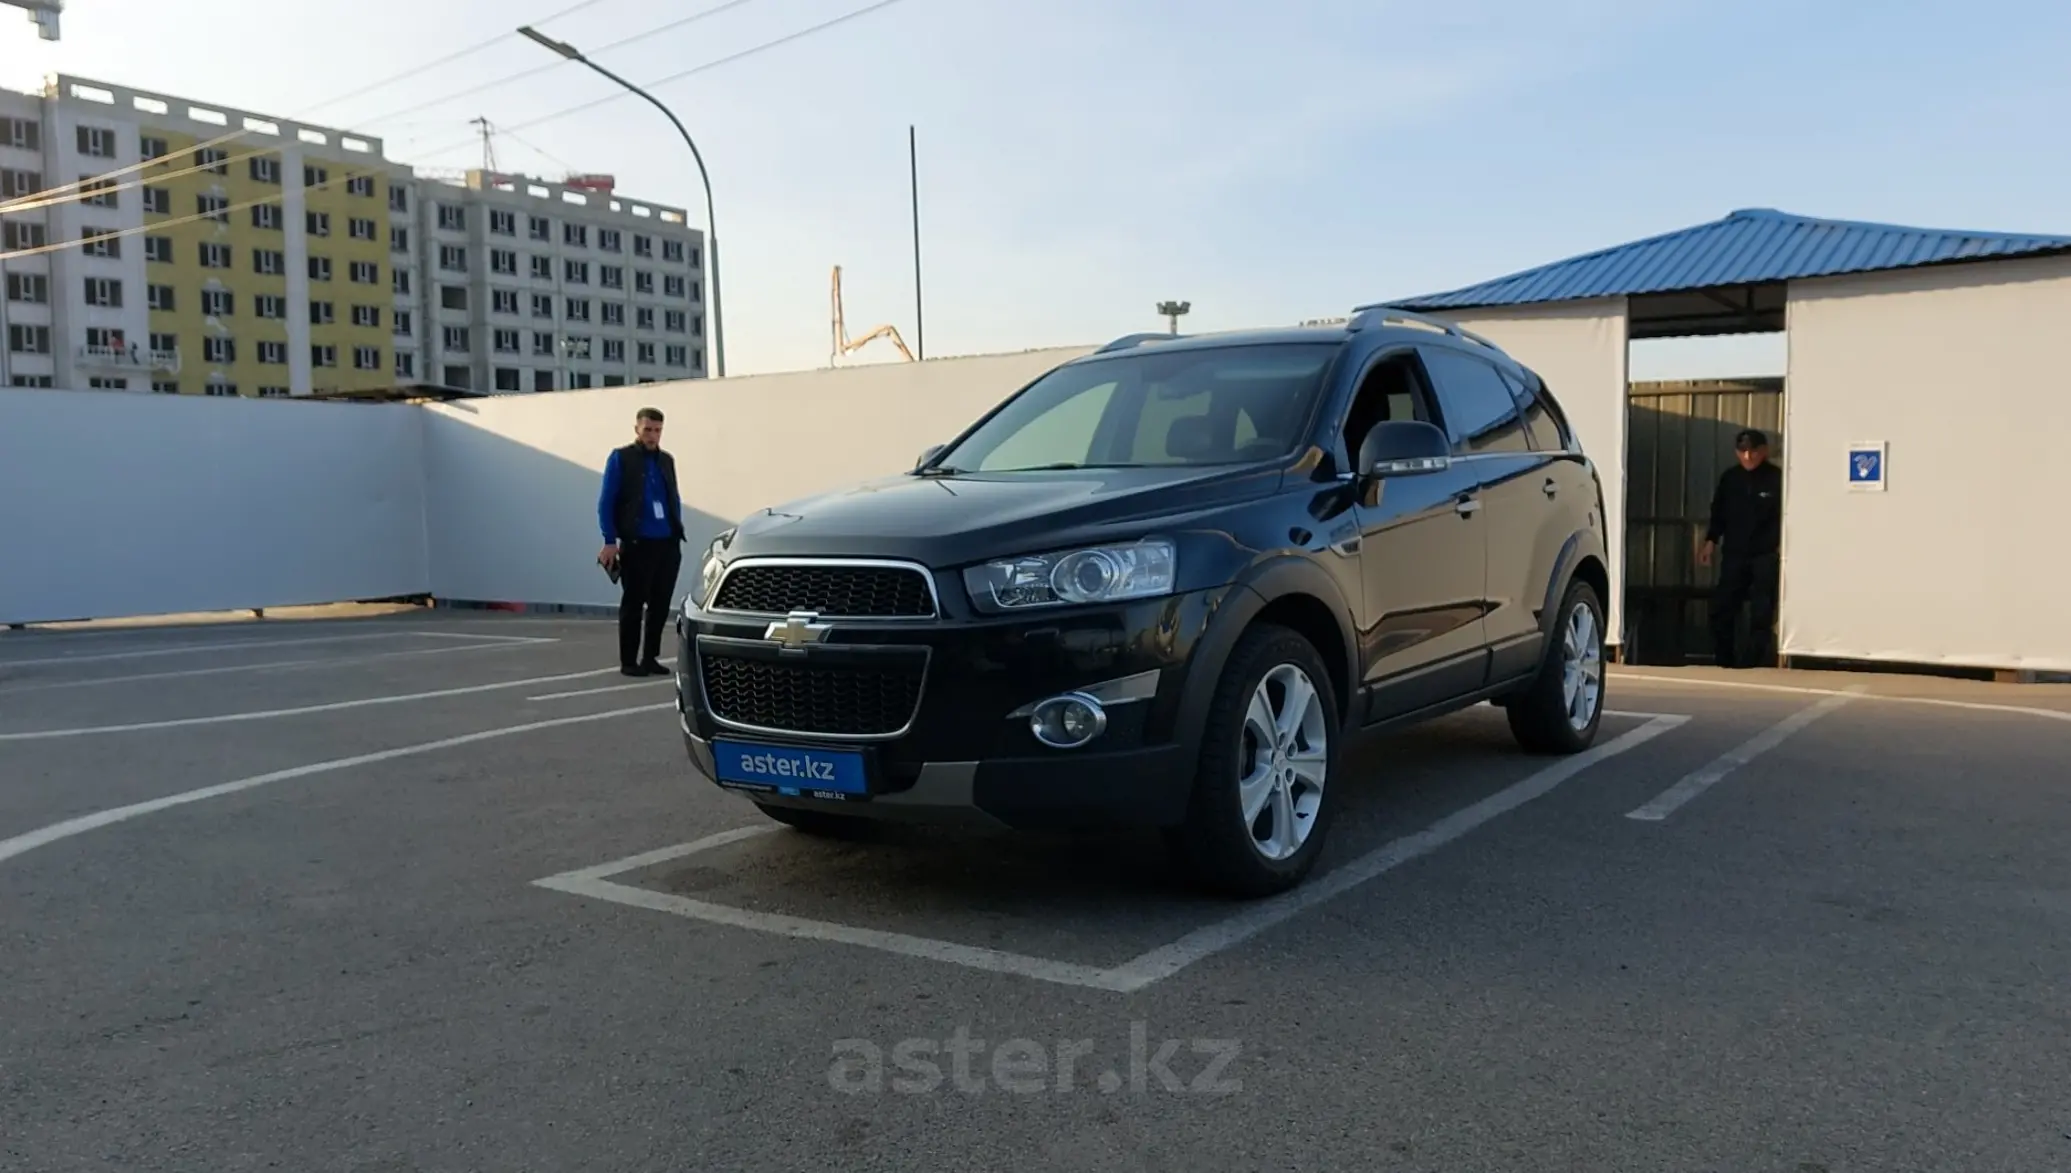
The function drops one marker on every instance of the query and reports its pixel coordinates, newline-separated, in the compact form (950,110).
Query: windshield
(1226,405)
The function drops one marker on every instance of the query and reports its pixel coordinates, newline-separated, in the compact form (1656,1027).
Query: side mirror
(929,454)
(1399,448)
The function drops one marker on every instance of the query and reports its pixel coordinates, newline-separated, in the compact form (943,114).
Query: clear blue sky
(1083,159)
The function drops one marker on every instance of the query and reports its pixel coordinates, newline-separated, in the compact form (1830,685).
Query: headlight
(708,573)
(1100,574)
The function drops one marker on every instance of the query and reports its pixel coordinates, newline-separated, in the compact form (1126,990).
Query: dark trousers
(647,575)
(1751,582)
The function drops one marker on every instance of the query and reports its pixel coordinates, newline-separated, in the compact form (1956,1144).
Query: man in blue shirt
(641,516)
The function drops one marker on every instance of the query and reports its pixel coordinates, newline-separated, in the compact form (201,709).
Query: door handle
(1550,487)
(1467,506)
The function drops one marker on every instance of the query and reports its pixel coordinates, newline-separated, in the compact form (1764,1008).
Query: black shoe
(632,670)
(655,668)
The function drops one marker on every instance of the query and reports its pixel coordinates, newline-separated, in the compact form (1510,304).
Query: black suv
(1158,587)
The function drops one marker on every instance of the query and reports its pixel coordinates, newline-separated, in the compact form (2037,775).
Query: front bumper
(964,756)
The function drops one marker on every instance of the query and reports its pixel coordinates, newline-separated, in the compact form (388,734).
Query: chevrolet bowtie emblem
(797,630)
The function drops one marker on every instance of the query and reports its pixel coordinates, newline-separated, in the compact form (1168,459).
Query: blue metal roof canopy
(1726,276)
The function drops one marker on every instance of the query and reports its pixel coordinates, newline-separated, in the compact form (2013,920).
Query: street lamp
(1172,311)
(711,218)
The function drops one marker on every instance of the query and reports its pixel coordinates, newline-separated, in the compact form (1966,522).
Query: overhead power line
(448,59)
(536,70)
(697,69)
(78,190)
(385,169)
(39,199)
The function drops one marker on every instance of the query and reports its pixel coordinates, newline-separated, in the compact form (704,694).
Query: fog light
(1068,721)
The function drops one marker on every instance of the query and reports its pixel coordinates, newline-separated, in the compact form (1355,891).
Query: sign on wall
(1866,462)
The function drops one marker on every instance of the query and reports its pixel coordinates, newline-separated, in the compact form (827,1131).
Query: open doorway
(1679,439)
(1705,364)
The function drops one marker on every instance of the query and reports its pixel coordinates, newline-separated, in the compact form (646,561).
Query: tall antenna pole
(920,330)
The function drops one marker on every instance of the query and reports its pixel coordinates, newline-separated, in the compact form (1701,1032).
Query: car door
(1563,504)
(1422,557)
(1489,437)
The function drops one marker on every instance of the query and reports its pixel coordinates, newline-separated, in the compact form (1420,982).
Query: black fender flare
(1580,544)
(1248,596)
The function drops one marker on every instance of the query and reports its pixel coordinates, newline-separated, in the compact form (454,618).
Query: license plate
(791,769)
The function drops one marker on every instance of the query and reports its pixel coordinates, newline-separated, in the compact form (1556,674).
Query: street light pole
(1172,311)
(711,218)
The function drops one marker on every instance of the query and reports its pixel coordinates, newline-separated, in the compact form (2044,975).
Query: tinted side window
(1479,410)
(1539,421)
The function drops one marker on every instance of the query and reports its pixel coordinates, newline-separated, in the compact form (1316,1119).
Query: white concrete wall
(513,480)
(116,504)
(1962,559)
(1579,349)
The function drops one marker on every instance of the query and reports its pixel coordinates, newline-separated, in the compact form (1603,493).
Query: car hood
(969,517)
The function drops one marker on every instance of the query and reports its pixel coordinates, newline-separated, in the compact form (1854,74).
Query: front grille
(798,696)
(834,591)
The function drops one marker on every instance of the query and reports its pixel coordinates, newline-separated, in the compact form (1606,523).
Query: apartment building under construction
(150,242)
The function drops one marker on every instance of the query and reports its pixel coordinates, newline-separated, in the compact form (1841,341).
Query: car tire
(1560,710)
(1217,845)
(823,824)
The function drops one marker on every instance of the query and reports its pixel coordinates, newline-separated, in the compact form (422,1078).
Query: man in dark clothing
(1747,515)
(641,515)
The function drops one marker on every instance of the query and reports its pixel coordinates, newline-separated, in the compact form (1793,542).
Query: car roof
(1382,326)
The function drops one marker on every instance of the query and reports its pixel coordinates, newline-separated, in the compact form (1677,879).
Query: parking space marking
(273,665)
(1130,976)
(1209,940)
(331,707)
(562,696)
(22,844)
(231,645)
(593,882)
(1804,690)
(1704,777)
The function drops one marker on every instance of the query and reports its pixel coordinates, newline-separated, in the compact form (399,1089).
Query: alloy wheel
(1582,666)
(1285,754)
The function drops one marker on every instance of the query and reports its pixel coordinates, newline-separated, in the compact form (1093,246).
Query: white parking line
(1130,976)
(271,665)
(1703,778)
(1803,690)
(561,696)
(591,882)
(233,645)
(1209,940)
(332,707)
(22,844)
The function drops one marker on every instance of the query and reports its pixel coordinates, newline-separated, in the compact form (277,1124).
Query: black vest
(632,491)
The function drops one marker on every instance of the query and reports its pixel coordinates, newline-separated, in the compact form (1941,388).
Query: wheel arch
(1581,557)
(1295,593)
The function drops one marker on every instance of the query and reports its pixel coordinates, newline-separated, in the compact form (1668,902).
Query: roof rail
(1128,340)
(1368,317)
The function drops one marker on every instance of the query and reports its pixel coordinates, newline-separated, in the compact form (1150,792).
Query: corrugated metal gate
(1679,439)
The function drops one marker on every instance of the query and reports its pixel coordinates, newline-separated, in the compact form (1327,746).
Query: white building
(530,285)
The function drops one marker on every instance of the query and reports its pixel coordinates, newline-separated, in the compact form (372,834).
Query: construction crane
(843,346)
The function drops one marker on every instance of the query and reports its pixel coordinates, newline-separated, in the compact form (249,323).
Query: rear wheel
(1559,711)
(1262,803)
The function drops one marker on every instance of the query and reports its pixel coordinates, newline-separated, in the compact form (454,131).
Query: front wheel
(1559,711)
(1262,803)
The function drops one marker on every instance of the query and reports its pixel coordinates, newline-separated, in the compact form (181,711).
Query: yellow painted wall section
(349,191)
(192,283)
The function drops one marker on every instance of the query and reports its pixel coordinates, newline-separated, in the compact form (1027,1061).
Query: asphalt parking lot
(437,892)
